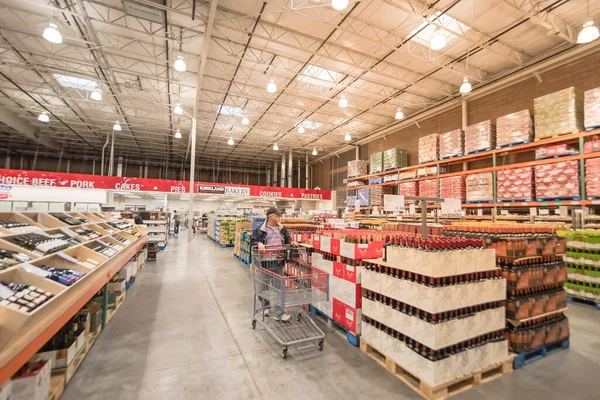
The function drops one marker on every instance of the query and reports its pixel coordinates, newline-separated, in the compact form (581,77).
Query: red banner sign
(58,179)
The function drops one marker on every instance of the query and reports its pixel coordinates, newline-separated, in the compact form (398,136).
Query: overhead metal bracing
(375,53)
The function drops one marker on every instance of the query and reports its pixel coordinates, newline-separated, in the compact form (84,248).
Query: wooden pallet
(111,313)
(57,386)
(442,390)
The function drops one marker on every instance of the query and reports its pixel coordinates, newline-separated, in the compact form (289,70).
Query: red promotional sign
(83,181)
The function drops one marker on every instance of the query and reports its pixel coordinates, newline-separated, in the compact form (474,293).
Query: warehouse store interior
(266,199)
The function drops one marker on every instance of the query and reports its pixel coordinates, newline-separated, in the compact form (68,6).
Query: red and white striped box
(347,316)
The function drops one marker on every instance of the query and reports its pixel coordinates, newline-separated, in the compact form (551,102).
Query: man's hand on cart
(294,243)
(261,246)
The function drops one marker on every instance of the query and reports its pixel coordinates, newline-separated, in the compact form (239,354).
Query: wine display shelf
(23,334)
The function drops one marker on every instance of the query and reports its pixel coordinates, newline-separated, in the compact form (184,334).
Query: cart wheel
(284,352)
(298,317)
(321,343)
(253,324)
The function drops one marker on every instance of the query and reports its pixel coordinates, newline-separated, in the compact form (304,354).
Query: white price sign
(479,212)
(504,212)
(393,203)
(412,208)
(451,206)
(375,210)
(563,211)
(544,211)
(357,204)
(532,211)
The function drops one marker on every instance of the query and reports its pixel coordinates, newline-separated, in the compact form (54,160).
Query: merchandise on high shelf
(428,148)
(394,159)
(453,187)
(354,184)
(558,113)
(480,187)
(452,144)
(408,189)
(407,175)
(376,164)
(480,136)
(592,177)
(591,106)
(428,188)
(364,195)
(431,171)
(557,150)
(351,201)
(583,263)
(377,192)
(559,180)
(22,297)
(357,168)
(514,128)
(515,184)
(390,178)
(592,145)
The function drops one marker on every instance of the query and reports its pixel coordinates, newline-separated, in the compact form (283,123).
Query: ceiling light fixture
(43,117)
(245,121)
(178,134)
(438,41)
(347,138)
(589,33)
(96,95)
(314,153)
(52,34)
(230,142)
(339,4)
(179,64)
(272,86)
(275,147)
(300,129)
(343,103)
(117,126)
(399,114)
(178,109)
(466,86)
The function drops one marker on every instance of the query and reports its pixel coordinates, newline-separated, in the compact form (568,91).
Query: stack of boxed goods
(531,258)
(557,150)
(592,177)
(377,193)
(351,201)
(390,178)
(408,189)
(340,253)
(480,136)
(591,109)
(355,184)
(557,113)
(515,184)
(357,168)
(560,180)
(239,228)
(480,187)
(406,175)
(394,159)
(364,195)
(592,145)
(431,171)
(428,148)
(514,128)
(434,310)
(583,264)
(452,144)
(453,187)
(428,188)
(376,163)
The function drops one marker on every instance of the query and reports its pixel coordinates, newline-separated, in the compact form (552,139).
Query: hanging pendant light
(179,64)
(117,126)
(339,4)
(245,121)
(589,33)
(275,147)
(96,94)
(300,129)
(399,114)
(314,153)
(343,103)
(178,134)
(347,138)
(52,34)
(438,42)
(43,117)
(272,86)
(466,86)
(230,142)
(178,109)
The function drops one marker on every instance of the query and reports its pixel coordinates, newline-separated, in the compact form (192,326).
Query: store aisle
(184,332)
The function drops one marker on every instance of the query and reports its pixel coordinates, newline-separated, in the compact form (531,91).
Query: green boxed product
(376,163)
(394,159)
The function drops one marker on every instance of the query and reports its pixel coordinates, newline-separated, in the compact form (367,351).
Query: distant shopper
(137,219)
(272,233)
(177,219)
(204,221)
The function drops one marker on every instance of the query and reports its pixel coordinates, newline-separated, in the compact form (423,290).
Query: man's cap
(273,210)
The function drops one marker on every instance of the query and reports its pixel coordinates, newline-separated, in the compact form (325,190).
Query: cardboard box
(359,251)
(95,317)
(33,387)
(6,391)
(112,300)
(353,273)
(125,273)
(59,359)
(347,316)
(316,242)
(119,286)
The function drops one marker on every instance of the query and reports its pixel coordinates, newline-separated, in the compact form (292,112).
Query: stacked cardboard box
(453,187)
(514,128)
(376,163)
(583,265)
(591,109)
(357,168)
(408,189)
(557,113)
(559,180)
(428,148)
(452,144)
(364,195)
(428,188)
(377,193)
(394,159)
(592,177)
(480,187)
(480,136)
(515,184)
(351,201)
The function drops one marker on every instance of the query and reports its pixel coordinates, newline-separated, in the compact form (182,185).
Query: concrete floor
(184,332)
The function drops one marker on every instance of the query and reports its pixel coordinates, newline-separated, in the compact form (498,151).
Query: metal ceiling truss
(540,12)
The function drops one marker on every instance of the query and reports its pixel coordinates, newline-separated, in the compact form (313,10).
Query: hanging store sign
(82,181)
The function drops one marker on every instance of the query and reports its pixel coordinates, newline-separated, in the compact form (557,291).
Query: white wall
(32,193)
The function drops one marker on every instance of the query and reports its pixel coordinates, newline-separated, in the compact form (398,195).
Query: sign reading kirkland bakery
(13,177)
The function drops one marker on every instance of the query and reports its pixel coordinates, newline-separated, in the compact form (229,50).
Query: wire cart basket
(283,279)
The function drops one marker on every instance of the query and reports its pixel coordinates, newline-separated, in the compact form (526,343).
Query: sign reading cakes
(212,189)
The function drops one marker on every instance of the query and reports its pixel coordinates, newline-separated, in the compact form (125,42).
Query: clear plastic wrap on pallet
(408,189)
(559,180)
(431,171)
(428,188)
(428,148)
(557,113)
(514,128)
(357,168)
(453,187)
(515,184)
(452,144)
(480,187)
(377,193)
(591,108)
(364,195)
(376,165)
(407,175)
(390,178)
(556,151)
(394,159)
(480,137)
(592,177)
(354,184)
(351,201)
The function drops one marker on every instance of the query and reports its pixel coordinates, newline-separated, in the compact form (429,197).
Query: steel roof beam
(538,12)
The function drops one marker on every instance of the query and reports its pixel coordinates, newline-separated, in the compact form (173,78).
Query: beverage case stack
(357,168)
(452,144)
(428,188)
(428,148)
(480,187)
(408,189)
(558,113)
(591,106)
(583,264)
(376,165)
(394,159)
(480,137)
(453,187)
(514,128)
(377,193)
(515,184)
(433,307)
(557,181)
(592,177)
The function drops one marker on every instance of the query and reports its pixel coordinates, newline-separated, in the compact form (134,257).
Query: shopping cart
(283,278)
